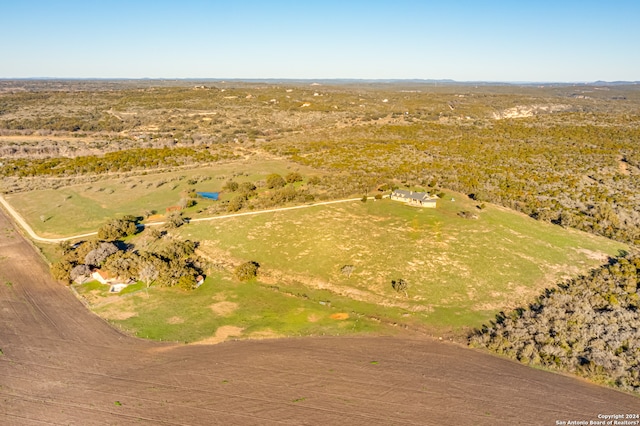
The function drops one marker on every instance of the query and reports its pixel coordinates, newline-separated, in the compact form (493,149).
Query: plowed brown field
(60,364)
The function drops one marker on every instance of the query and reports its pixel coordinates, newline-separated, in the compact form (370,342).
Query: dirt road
(23,223)
(60,364)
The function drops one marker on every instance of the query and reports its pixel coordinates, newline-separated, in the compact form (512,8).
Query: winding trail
(23,223)
(61,364)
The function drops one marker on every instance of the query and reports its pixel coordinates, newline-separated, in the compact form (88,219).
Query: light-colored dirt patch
(220,297)
(623,166)
(339,316)
(519,296)
(596,255)
(222,334)
(496,306)
(175,320)
(313,318)
(93,297)
(521,111)
(210,251)
(224,309)
(117,315)
(555,274)
(471,293)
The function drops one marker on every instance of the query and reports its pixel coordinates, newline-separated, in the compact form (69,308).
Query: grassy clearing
(460,271)
(91,205)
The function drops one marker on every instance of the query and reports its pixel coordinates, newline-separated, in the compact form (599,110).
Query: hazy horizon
(496,41)
(443,81)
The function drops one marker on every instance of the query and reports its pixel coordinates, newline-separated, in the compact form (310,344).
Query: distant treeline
(97,122)
(120,161)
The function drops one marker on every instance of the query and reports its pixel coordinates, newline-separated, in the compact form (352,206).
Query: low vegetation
(325,279)
(119,161)
(224,307)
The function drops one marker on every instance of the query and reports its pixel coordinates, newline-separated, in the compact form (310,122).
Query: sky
(507,41)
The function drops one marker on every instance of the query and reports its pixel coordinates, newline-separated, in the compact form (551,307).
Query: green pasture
(86,207)
(461,272)
(252,309)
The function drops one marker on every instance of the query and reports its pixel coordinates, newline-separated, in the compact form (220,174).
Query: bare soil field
(60,364)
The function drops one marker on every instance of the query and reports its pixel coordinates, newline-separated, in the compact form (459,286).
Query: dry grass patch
(115,314)
(222,334)
(339,316)
(224,309)
(211,252)
(265,334)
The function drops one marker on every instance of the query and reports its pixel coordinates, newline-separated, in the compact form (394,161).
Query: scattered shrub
(235,203)
(293,177)
(247,271)
(400,285)
(275,181)
(231,186)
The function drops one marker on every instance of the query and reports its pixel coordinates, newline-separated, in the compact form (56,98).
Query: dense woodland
(589,326)
(567,154)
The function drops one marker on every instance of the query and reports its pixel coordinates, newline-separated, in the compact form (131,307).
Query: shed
(117,288)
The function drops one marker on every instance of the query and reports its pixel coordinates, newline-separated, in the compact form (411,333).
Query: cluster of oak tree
(281,190)
(174,264)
